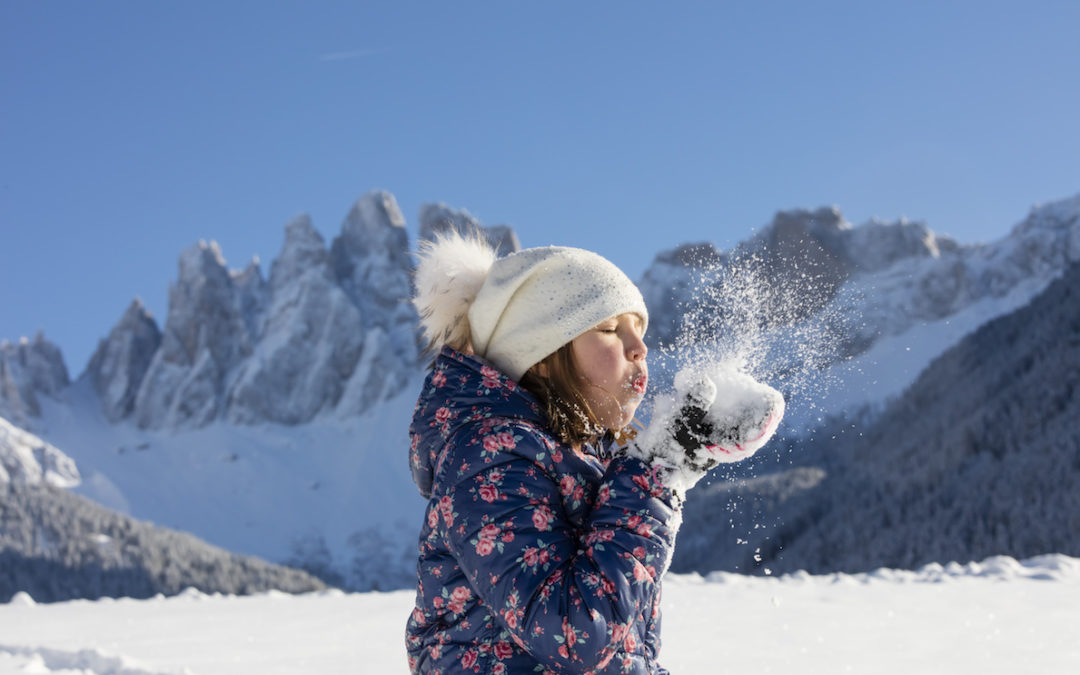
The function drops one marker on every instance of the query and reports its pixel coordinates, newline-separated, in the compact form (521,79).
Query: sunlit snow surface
(998,616)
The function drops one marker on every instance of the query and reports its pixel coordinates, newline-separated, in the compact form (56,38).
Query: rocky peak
(438,218)
(312,335)
(374,222)
(876,245)
(251,296)
(200,263)
(207,332)
(1050,234)
(371,262)
(700,255)
(29,368)
(1059,215)
(332,330)
(671,281)
(928,277)
(883,276)
(121,360)
(43,364)
(304,249)
(203,312)
(370,257)
(801,257)
(825,226)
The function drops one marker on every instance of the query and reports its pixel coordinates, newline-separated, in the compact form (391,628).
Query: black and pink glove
(715,415)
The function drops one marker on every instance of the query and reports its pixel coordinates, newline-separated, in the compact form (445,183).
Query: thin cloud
(344,56)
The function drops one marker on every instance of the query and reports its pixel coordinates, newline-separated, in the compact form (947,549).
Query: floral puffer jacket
(534,558)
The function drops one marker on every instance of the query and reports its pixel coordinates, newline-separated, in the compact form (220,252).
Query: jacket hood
(461,389)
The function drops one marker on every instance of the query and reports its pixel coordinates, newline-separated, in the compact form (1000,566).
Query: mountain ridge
(309,402)
(230,336)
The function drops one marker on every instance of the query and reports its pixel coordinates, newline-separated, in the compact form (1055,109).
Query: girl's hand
(715,415)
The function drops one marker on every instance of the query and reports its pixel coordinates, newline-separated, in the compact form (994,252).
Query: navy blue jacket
(533,557)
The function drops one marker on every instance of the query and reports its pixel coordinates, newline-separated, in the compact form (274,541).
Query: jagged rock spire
(28,369)
(121,360)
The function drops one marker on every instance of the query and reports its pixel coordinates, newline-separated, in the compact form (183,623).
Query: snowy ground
(1000,616)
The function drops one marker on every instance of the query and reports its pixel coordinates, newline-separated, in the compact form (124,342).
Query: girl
(543,548)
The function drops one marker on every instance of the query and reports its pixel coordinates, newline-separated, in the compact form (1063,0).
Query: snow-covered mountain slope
(997,616)
(57,545)
(334,496)
(25,459)
(849,316)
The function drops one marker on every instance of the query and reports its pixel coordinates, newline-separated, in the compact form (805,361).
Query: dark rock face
(29,369)
(438,218)
(121,361)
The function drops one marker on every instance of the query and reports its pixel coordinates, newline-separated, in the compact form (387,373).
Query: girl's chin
(621,419)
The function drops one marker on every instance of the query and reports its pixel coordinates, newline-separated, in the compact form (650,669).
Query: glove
(715,415)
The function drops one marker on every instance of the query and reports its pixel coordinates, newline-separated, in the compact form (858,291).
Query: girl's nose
(636,349)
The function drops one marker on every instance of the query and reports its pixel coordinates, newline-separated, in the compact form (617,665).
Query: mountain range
(268,415)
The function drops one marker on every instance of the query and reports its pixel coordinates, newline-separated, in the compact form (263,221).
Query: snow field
(999,616)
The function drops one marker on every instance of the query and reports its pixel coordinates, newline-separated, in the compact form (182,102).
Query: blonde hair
(569,416)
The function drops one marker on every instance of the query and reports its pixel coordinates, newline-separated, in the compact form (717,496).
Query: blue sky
(130,130)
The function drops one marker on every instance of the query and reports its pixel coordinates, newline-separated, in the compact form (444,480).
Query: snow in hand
(714,415)
(743,412)
(998,616)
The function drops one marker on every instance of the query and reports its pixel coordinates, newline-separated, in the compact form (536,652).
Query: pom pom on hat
(449,273)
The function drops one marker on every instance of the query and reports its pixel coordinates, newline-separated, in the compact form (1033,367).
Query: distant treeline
(56,545)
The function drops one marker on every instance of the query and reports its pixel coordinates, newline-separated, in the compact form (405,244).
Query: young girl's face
(611,360)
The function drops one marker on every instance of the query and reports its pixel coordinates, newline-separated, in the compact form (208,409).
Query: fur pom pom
(449,273)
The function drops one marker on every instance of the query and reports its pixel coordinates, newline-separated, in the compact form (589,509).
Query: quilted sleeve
(570,597)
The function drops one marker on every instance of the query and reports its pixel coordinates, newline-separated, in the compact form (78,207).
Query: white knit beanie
(521,308)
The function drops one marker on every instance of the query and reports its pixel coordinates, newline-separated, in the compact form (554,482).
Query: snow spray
(784,320)
(779,321)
